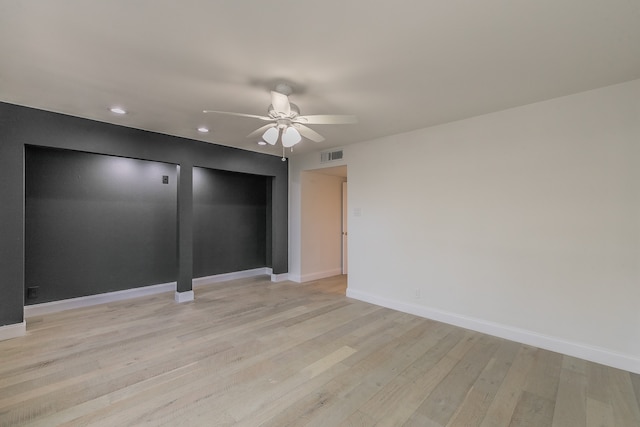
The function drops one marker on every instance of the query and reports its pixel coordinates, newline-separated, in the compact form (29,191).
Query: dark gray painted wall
(229,226)
(20,126)
(97,223)
(11,225)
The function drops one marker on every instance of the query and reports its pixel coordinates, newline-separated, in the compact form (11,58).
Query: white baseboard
(575,349)
(200,281)
(282,277)
(184,296)
(316,276)
(295,278)
(67,304)
(13,331)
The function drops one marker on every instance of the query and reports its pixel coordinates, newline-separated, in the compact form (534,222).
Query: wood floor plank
(445,399)
(599,414)
(536,403)
(328,361)
(287,379)
(597,382)
(358,419)
(273,392)
(355,390)
(417,381)
(635,381)
(251,352)
(621,398)
(532,411)
(570,408)
(472,410)
(501,409)
(369,374)
(544,377)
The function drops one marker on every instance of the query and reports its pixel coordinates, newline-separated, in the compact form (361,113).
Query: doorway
(323,236)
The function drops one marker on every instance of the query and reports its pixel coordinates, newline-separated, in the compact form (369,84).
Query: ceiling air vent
(330,156)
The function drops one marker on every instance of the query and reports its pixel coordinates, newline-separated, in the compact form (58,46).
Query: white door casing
(345,234)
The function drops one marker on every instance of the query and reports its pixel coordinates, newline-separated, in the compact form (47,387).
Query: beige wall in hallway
(321,225)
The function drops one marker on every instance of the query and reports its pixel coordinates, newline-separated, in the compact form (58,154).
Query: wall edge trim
(89,300)
(583,351)
(243,274)
(282,277)
(186,296)
(14,330)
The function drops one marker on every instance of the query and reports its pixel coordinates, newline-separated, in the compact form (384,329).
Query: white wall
(321,226)
(523,223)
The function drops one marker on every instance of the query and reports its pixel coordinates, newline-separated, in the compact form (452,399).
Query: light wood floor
(251,352)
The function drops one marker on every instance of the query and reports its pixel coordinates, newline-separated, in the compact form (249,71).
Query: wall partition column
(184,288)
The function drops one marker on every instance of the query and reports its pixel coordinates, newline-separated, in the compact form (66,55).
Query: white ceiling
(398,65)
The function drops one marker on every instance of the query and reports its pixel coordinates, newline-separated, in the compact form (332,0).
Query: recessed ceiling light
(262,143)
(118,110)
(203,129)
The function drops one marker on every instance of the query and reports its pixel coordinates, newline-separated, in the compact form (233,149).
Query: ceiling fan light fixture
(290,137)
(284,122)
(271,135)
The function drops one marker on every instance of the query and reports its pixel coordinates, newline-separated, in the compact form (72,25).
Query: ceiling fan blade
(280,103)
(252,116)
(327,119)
(308,133)
(260,131)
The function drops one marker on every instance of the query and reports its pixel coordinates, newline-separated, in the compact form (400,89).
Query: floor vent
(330,156)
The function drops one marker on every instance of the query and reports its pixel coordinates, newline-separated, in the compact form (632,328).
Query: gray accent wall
(97,223)
(229,221)
(22,127)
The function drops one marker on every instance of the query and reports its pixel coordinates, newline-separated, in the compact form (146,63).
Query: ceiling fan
(285,121)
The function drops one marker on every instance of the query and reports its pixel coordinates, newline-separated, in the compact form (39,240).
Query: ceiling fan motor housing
(295,111)
(283,123)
